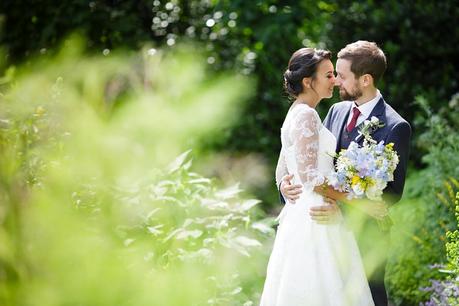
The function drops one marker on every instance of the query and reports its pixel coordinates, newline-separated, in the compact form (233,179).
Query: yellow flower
(355,180)
(390,145)
(364,183)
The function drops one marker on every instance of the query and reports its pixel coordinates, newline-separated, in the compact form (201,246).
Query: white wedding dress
(311,264)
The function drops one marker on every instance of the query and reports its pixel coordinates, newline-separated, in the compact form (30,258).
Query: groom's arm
(400,135)
(283,181)
(281,197)
(281,172)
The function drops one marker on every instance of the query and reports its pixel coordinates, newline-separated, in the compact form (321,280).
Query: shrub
(445,291)
(427,211)
(91,214)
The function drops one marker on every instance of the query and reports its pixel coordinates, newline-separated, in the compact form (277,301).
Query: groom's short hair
(366,58)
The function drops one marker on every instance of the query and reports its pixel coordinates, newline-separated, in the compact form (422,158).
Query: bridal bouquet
(365,171)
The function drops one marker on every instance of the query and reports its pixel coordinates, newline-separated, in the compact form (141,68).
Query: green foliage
(420,235)
(257,38)
(417,244)
(452,246)
(106,24)
(238,35)
(91,214)
(445,289)
(185,220)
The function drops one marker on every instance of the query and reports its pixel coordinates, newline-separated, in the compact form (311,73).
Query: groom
(359,67)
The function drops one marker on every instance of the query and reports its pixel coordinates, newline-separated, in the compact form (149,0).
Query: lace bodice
(306,147)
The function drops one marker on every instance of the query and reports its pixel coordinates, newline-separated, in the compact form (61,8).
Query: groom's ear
(367,80)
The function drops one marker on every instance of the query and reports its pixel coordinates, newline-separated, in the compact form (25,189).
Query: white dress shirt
(365,109)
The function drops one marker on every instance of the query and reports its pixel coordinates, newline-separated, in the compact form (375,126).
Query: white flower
(374,120)
(374,193)
(382,184)
(358,190)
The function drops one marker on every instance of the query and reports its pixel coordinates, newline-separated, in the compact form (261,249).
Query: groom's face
(349,86)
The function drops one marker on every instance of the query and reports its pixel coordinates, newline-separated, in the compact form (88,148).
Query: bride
(311,263)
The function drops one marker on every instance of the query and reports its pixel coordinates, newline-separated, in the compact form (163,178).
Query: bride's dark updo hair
(302,64)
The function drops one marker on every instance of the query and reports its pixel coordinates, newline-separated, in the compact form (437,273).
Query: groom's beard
(350,96)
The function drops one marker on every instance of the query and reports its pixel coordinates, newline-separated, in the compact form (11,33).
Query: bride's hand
(289,191)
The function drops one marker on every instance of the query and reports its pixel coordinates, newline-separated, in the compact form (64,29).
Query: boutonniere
(368,128)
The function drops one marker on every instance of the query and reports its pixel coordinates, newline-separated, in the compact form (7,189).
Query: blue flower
(373,162)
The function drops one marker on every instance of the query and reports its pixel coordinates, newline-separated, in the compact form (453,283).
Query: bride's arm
(305,136)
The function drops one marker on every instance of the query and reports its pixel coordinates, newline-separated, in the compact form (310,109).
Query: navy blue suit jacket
(395,129)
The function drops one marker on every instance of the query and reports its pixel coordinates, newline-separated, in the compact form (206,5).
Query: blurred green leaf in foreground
(93,212)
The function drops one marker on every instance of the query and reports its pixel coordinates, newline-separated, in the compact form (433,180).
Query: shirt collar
(366,108)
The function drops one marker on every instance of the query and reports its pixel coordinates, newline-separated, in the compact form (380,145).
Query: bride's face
(324,80)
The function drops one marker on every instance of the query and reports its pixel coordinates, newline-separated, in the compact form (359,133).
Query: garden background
(99,99)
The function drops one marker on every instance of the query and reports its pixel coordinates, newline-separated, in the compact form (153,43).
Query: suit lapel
(378,112)
(341,124)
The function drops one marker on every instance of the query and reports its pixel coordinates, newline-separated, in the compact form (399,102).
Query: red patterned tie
(355,115)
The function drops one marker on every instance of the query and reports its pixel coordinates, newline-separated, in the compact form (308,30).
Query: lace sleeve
(305,138)
(281,168)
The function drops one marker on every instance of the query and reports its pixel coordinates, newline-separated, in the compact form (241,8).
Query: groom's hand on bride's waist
(290,191)
(326,214)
